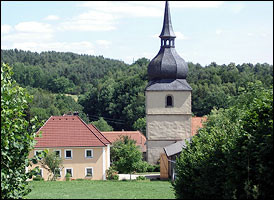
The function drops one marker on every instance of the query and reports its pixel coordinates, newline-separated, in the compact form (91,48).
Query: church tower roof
(167,30)
(167,64)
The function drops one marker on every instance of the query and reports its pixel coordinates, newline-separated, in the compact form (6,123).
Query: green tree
(231,157)
(102,125)
(53,163)
(125,155)
(17,137)
(140,125)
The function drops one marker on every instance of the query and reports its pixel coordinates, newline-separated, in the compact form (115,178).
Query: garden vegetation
(232,157)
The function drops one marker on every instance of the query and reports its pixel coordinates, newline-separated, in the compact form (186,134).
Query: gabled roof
(69,131)
(176,148)
(140,139)
(98,133)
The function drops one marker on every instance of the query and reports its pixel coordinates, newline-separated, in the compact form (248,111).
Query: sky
(206,31)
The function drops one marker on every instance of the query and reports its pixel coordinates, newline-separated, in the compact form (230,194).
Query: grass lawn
(87,189)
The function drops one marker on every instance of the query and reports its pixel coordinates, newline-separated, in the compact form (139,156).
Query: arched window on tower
(169,101)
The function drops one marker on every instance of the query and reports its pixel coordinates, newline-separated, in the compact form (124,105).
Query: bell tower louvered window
(169,101)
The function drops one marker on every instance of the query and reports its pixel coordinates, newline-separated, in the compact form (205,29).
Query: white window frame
(87,173)
(42,174)
(86,153)
(71,171)
(60,152)
(35,151)
(60,173)
(66,154)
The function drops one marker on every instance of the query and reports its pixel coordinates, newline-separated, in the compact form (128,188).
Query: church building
(168,96)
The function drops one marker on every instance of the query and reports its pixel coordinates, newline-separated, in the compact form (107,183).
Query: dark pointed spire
(167,64)
(167,30)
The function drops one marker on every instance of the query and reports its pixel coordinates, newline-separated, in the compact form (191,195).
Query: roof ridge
(43,125)
(90,130)
(99,132)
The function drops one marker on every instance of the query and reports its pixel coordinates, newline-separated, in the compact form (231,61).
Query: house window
(89,172)
(36,152)
(68,154)
(40,173)
(89,153)
(169,101)
(58,153)
(58,172)
(69,171)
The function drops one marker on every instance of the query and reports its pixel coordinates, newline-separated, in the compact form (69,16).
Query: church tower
(168,96)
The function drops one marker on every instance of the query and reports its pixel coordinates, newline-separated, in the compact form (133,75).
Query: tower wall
(166,125)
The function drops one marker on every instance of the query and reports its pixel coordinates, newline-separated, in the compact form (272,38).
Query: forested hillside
(114,90)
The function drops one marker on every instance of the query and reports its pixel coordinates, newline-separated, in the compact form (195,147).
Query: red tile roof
(69,131)
(98,133)
(196,124)
(134,135)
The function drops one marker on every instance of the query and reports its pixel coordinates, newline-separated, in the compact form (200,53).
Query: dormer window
(169,101)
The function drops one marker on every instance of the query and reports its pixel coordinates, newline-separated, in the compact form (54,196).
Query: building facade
(85,152)
(168,96)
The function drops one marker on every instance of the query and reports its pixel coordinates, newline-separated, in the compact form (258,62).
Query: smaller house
(173,151)
(140,139)
(84,149)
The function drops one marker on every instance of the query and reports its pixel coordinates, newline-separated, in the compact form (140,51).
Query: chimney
(76,113)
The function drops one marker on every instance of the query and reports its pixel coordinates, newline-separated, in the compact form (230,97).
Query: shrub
(141,178)
(231,157)
(38,178)
(142,166)
(68,176)
(156,168)
(112,174)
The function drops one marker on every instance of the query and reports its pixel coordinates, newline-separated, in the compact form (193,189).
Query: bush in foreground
(232,156)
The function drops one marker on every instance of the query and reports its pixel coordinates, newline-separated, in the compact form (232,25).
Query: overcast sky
(207,31)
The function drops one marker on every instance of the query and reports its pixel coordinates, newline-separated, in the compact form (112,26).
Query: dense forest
(100,87)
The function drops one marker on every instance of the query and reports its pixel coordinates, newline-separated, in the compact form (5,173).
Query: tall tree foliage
(52,163)
(17,137)
(115,90)
(125,155)
(232,156)
(102,125)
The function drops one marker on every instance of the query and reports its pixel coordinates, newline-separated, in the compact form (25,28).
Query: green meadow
(86,189)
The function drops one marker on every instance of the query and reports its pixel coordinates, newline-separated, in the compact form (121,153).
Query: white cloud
(103,43)
(90,21)
(156,36)
(125,9)
(82,47)
(180,36)
(26,37)
(5,28)
(236,8)
(52,17)
(219,32)
(196,4)
(105,15)
(250,34)
(33,27)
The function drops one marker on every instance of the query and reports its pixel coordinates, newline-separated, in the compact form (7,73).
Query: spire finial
(167,30)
